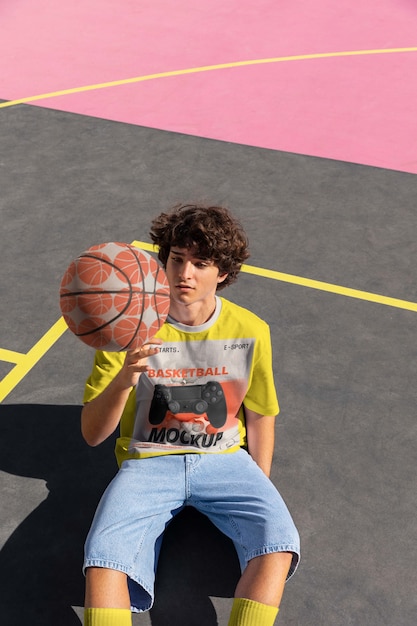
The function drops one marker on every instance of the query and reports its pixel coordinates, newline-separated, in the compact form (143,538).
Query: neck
(193,314)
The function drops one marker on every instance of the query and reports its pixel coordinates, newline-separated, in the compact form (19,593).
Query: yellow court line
(150,247)
(25,362)
(29,360)
(10,356)
(205,68)
(331,288)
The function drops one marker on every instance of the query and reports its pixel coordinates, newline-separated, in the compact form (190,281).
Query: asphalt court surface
(345,367)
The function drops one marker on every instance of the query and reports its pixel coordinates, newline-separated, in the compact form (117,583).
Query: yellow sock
(251,613)
(107,617)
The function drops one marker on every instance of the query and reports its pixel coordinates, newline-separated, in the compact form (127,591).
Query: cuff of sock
(107,617)
(250,613)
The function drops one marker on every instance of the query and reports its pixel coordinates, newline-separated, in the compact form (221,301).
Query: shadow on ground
(41,561)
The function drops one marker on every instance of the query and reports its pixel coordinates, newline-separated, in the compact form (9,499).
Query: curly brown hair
(211,231)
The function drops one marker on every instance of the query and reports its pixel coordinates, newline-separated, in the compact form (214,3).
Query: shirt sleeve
(261,396)
(105,367)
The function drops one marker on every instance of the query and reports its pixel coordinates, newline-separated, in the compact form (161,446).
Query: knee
(280,561)
(273,567)
(106,588)
(264,578)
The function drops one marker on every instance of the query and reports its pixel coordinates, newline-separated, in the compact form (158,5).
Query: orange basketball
(114,297)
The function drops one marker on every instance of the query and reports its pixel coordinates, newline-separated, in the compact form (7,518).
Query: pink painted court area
(334,80)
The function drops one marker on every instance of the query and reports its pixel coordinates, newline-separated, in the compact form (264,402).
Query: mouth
(183,287)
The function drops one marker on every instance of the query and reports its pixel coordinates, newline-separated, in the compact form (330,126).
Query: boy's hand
(136,362)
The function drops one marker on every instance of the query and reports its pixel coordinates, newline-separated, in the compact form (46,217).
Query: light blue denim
(146,494)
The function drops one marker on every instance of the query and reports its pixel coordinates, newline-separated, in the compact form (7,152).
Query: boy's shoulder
(241,314)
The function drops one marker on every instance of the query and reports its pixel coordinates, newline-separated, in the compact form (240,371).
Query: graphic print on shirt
(185,407)
(195,399)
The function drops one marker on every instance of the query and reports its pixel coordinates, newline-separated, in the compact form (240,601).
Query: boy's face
(191,278)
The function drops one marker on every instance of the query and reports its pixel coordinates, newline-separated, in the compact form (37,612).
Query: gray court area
(346,444)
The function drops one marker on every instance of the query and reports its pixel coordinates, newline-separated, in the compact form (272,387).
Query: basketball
(114,297)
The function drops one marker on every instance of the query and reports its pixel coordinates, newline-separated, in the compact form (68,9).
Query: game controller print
(207,399)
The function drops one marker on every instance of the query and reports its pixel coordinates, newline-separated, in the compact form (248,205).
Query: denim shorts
(230,489)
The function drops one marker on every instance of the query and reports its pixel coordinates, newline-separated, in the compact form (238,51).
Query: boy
(196,409)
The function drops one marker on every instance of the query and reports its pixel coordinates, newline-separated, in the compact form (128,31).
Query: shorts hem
(106,564)
(116,565)
(279,548)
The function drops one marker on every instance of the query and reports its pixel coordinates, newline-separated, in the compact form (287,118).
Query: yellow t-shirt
(193,396)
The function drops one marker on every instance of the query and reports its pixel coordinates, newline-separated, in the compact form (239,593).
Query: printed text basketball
(114,297)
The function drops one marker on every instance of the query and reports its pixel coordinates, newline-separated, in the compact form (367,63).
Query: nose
(186,271)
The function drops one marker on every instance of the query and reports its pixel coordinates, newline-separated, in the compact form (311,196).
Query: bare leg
(106,589)
(264,578)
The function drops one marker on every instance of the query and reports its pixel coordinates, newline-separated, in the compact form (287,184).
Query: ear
(221,278)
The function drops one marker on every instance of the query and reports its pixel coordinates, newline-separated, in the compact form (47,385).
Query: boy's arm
(101,416)
(260,433)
